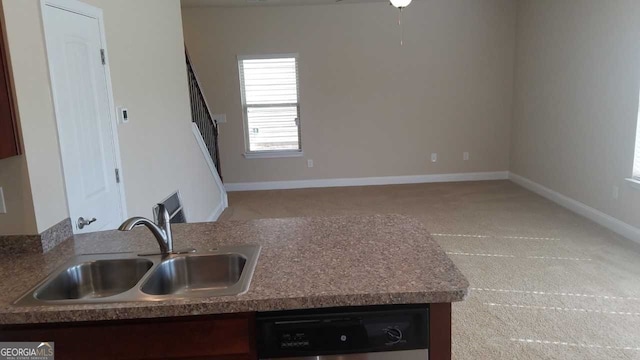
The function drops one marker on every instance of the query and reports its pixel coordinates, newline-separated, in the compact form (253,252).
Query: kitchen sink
(95,279)
(197,273)
(127,277)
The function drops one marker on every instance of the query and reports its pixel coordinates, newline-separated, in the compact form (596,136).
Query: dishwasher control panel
(342,331)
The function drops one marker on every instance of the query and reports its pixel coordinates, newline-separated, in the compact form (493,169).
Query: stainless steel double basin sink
(124,277)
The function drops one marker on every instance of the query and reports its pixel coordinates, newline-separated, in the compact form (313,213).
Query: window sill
(634,183)
(273,154)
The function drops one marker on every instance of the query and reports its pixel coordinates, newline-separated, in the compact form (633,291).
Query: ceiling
(239,3)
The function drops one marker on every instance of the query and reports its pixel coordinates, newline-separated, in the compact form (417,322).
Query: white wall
(369,107)
(448,90)
(576,105)
(14,180)
(35,109)
(159,152)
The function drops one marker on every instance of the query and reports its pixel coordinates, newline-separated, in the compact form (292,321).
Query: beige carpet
(546,283)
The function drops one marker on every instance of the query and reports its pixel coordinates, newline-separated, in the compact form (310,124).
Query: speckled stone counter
(304,263)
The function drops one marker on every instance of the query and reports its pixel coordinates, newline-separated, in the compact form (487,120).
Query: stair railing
(202,117)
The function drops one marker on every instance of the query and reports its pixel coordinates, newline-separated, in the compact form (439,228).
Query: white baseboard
(215,215)
(590,213)
(385,180)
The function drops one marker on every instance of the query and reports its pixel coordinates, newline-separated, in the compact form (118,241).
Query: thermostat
(123,115)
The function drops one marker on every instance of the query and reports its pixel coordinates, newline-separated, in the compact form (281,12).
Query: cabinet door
(9,145)
(222,337)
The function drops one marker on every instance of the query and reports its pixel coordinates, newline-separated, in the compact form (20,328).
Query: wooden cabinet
(219,337)
(211,337)
(440,331)
(9,140)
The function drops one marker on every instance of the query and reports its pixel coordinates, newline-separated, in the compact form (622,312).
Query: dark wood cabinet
(9,139)
(220,337)
(210,337)
(440,331)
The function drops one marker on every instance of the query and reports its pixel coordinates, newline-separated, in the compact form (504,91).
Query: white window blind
(270,99)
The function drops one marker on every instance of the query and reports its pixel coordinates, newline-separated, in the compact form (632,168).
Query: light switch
(3,207)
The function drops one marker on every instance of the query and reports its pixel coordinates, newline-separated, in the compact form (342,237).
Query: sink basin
(95,279)
(127,277)
(197,273)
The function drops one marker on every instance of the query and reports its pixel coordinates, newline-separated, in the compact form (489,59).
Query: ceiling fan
(401,4)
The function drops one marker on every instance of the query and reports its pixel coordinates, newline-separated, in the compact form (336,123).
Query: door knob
(82,222)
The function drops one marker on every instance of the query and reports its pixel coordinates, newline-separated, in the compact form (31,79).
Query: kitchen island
(305,263)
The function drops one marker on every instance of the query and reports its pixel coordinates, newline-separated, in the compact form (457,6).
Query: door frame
(80,8)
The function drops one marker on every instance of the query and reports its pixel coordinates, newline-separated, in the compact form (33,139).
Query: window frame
(634,179)
(259,154)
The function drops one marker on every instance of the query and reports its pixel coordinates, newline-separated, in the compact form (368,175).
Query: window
(270,101)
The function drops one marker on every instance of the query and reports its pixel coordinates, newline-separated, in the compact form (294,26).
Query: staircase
(201,116)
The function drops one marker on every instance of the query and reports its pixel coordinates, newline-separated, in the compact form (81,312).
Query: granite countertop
(304,263)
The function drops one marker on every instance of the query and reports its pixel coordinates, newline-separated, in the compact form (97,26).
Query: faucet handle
(161,214)
(164,221)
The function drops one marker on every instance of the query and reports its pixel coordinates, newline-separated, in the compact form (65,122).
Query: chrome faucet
(161,229)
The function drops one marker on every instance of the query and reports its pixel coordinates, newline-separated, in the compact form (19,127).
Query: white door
(83,114)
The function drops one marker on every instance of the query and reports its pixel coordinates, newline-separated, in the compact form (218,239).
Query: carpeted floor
(546,283)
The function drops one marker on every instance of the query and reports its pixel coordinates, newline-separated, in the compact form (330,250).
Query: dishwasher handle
(420,354)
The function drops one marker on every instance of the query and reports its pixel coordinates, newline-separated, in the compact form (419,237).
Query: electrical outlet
(616,192)
(465,156)
(3,206)
(434,157)
(310,163)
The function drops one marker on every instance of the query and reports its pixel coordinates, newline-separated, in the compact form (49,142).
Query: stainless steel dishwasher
(399,332)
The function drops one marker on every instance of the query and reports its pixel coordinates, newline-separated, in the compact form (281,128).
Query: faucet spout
(161,231)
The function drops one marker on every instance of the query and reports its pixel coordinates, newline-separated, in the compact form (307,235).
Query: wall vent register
(173,205)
